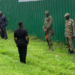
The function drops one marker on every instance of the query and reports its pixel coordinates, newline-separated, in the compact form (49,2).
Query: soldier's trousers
(50,39)
(4,34)
(69,42)
(22,54)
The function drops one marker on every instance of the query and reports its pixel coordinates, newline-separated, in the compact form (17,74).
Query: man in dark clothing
(3,24)
(21,38)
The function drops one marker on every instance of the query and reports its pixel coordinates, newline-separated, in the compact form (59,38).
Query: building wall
(32,14)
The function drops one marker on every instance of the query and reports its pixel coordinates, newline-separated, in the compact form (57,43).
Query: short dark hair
(20,23)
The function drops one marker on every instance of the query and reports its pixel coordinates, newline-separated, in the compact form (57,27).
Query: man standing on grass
(69,24)
(21,38)
(48,29)
(3,24)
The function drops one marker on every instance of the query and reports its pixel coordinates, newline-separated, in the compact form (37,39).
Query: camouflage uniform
(69,33)
(48,25)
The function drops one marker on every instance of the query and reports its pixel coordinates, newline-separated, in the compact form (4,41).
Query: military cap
(47,12)
(67,14)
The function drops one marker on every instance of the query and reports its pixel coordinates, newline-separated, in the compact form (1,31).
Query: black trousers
(22,54)
(4,34)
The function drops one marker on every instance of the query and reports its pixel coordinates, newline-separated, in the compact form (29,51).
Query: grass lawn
(39,60)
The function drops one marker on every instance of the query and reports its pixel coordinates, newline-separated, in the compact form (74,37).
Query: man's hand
(27,44)
(15,39)
(27,40)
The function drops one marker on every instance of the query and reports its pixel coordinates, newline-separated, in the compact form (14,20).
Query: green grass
(39,60)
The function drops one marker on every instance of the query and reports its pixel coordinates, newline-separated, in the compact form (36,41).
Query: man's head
(47,13)
(67,15)
(20,24)
(0,13)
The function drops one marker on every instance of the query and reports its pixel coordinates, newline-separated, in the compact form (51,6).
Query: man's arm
(72,29)
(72,23)
(15,39)
(27,39)
(5,21)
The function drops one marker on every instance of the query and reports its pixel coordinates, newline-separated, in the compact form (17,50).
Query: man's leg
(50,42)
(50,45)
(68,46)
(24,53)
(4,32)
(20,53)
(0,30)
(71,45)
(47,42)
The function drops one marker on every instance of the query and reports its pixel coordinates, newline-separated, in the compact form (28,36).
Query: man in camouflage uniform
(69,23)
(48,25)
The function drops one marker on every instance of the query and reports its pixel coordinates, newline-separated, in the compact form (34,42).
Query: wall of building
(32,14)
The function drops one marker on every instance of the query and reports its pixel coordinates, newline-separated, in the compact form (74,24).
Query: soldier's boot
(48,44)
(71,52)
(68,50)
(51,50)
